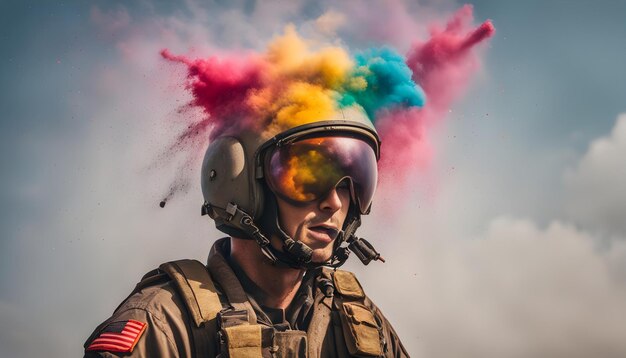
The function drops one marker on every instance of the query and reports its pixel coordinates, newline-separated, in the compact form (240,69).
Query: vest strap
(200,296)
(196,287)
(229,283)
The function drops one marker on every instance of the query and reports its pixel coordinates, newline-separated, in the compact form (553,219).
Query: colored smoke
(293,83)
(219,86)
(443,66)
(388,82)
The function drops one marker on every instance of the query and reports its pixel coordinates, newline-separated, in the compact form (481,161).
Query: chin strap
(246,224)
(296,254)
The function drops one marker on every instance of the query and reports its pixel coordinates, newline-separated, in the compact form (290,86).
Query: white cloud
(596,187)
(516,290)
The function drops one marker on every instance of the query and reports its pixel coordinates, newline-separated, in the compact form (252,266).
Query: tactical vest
(229,328)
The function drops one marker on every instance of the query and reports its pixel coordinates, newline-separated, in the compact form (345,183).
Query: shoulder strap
(361,330)
(227,280)
(194,283)
(242,334)
(196,287)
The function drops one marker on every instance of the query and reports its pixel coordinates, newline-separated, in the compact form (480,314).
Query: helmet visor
(307,170)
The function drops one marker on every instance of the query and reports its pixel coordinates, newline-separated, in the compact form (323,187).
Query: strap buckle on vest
(237,336)
(231,318)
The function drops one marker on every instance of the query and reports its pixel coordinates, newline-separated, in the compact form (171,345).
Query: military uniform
(184,309)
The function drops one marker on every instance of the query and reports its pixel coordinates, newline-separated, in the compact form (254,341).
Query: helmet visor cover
(307,170)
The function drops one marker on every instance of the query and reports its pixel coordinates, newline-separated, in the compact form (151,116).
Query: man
(291,204)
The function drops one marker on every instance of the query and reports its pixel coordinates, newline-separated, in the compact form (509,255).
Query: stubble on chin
(320,253)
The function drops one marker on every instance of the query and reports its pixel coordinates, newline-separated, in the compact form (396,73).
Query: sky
(512,243)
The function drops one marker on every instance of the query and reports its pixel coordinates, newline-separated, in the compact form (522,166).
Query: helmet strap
(245,225)
(295,254)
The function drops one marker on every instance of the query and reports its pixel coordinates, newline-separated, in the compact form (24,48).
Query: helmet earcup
(225,175)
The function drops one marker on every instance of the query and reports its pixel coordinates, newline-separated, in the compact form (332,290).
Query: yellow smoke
(304,103)
(303,82)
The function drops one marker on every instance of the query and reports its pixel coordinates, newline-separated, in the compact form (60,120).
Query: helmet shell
(232,169)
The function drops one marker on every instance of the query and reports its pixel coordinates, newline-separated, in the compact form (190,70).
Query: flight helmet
(243,172)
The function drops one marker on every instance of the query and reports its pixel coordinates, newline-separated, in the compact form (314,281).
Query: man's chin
(320,256)
(322,252)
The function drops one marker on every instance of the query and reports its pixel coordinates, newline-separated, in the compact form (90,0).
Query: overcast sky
(516,247)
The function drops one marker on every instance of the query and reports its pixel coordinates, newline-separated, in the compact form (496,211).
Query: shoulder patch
(120,336)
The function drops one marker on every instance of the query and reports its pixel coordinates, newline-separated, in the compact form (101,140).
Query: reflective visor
(307,170)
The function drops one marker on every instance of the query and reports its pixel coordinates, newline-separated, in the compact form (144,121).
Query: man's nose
(331,202)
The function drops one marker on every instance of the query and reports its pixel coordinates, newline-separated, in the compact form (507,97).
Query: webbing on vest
(358,328)
(195,285)
(362,333)
(200,297)
(244,341)
(229,283)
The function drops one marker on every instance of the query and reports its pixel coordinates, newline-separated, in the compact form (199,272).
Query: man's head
(304,189)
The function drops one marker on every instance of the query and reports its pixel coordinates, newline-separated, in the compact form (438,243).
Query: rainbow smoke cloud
(291,84)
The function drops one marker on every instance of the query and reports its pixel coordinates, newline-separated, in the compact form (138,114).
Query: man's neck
(279,284)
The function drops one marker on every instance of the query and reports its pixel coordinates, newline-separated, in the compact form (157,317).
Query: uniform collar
(296,315)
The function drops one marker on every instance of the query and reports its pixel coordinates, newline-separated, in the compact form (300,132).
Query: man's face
(318,223)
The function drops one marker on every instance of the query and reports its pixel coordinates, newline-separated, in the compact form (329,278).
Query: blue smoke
(388,79)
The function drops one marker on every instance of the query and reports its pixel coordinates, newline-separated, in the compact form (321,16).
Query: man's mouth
(324,233)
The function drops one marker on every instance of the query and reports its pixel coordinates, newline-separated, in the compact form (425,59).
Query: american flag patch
(118,336)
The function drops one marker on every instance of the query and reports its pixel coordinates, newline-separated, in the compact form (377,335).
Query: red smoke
(220,87)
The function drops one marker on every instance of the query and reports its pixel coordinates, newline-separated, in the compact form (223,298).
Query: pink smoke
(220,87)
(443,66)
